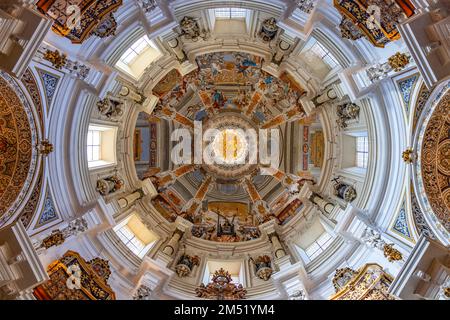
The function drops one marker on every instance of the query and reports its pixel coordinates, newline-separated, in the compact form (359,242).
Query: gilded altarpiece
(63,284)
(368,283)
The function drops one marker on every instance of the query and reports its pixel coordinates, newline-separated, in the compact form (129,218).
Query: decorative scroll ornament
(185,265)
(58,237)
(45,147)
(346,112)
(408,155)
(263,266)
(268,30)
(60,61)
(110,108)
(57,59)
(391,253)
(109,185)
(395,63)
(398,61)
(53,240)
(373,239)
(221,288)
(368,283)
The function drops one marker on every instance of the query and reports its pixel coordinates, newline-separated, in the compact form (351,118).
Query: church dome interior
(225,150)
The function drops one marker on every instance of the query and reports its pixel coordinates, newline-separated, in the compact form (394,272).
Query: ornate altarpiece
(93,277)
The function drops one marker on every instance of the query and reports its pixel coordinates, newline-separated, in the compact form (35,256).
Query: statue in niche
(110,108)
(143,293)
(346,112)
(191,30)
(263,267)
(109,185)
(297,295)
(344,191)
(268,30)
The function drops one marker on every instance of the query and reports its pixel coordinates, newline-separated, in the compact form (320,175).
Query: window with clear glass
(131,241)
(319,50)
(94,145)
(230,13)
(319,245)
(362,152)
(139,46)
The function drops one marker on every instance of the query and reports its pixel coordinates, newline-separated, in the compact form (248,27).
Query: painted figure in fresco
(243,65)
(218,99)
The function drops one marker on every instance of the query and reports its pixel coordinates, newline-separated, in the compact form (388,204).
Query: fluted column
(295,113)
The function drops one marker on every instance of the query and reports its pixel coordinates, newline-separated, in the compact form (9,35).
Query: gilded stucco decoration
(370,282)
(18,155)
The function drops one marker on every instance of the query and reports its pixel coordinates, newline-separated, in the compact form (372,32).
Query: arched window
(313,242)
(235,268)
(100,146)
(138,57)
(136,236)
(230,13)
(362,152)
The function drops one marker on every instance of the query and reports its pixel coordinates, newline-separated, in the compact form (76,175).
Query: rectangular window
(319,50)
(130,240)
(94,145)
(230,13)
(134,51)
(319,245)
(362,152)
